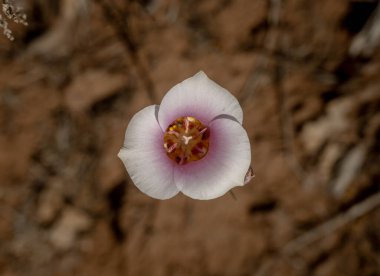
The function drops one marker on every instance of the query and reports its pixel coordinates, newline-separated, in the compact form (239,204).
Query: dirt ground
(310,90)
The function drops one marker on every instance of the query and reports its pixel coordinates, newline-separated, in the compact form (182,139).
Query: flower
(193,142)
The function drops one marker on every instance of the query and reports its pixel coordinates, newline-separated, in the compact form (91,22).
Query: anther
(172,147)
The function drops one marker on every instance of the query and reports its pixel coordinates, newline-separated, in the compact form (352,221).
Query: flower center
(186,140)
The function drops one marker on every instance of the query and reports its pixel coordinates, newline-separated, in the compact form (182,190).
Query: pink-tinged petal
(224,166)
(144,156)
(199,97)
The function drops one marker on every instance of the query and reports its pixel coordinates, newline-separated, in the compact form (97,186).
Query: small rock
(50,204)
(92,87)
(72,222)
(334,123)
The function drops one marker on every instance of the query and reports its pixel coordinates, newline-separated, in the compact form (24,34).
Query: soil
(72,79)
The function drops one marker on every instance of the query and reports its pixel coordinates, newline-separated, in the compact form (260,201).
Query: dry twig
(368,40)
(123,31)
(286,123)
(325,229)
(328,227)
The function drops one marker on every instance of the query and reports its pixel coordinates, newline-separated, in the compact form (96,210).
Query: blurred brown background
(307,75)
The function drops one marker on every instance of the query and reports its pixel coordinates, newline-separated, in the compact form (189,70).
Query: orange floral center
(186,140)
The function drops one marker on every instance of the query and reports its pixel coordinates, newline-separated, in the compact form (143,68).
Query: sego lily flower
(193,142)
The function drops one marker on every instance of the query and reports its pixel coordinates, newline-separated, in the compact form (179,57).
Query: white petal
(144,156)
(224,166)
(199,97)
